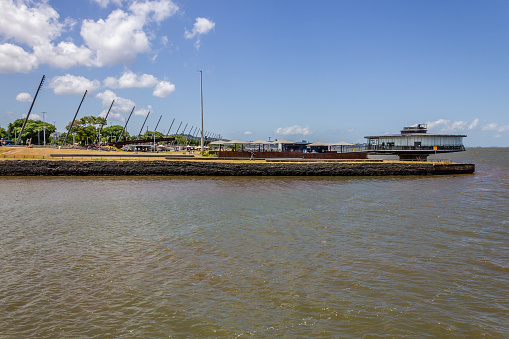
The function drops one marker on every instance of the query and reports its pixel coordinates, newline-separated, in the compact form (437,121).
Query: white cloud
(14,59)
(130,79)
(64,55)
(448,126)
(163,89)
(293,130)
(36,25)
(143,111)
(154,10)
(23,97)
(201,26)
(29,25)
(164,41)
(248,133)
(105,3)
(121,108)
(118,39)
(474,124)
(495,127)
(33,116)
(71,84)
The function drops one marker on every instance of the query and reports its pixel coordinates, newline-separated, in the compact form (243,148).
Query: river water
(226,257)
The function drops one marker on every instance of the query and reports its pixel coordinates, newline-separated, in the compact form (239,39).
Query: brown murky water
(258,257)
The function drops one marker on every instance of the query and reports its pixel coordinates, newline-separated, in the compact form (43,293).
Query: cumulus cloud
(105,3)
(448,126)
(248,133)
(14,59)
(293,130)
(130,79)
(64,55)
(143,111)
(37,26)
(117,39)
(121,108)
(33,116)
(154,10)
(201,26)
(121,36)
(71,84)
(23,97)
(29,25)
(163,89)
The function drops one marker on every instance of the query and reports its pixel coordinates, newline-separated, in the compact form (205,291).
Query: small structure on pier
(414,143)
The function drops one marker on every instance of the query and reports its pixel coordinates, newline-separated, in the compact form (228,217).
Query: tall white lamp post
(201,94)
(44,127)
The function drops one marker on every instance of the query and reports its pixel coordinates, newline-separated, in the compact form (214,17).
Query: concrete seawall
(165,168)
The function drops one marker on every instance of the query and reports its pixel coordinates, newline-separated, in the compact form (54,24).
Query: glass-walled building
(414,143)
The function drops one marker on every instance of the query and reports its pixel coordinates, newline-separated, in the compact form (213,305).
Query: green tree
(112,133)
(34,129)
(86,129)
(148,135)
(3,133)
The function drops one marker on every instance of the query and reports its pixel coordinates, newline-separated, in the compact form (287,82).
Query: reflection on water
(224,257)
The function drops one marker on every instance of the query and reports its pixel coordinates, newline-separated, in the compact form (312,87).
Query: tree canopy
(34,129)
(86,128)
(112,133)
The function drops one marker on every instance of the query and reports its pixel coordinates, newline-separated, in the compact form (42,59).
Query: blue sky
(297,70)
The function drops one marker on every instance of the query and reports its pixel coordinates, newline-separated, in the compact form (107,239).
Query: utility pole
(201,94)
(44,127)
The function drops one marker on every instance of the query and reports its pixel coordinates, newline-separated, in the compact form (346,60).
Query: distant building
(56,135)
(414,143)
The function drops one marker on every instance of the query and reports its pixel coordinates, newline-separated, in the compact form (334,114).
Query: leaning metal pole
(75,115)
(141,130)
(175,140)
(101,128)
(182,134)
(191,134)
(201,92)
(170,127)
(121,134)
(158,121)
(30,110)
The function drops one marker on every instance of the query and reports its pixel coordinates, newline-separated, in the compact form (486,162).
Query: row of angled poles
(192,132)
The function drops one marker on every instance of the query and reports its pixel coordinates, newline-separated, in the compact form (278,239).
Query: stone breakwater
(165,168)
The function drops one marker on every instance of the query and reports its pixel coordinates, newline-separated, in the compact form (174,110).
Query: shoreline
(205,168)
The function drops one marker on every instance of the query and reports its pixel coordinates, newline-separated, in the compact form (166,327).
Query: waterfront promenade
(54,162)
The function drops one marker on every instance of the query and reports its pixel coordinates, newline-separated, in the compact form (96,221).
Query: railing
(414,148)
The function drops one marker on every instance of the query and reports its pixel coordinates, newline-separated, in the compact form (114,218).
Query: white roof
(260,142)
(320,144)
(219,142)
(238,142)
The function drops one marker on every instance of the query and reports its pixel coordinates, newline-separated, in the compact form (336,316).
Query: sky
(328,70)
